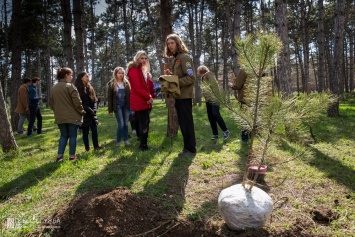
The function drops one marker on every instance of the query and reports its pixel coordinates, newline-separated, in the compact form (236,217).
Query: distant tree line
(38,36)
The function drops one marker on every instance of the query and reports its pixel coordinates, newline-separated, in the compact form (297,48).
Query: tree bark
(92,38)
(7,139)
(283,69)
(16,64)
(78,28)
(336,72)
(67,19)
(233,24)
(320,41)
(7,51)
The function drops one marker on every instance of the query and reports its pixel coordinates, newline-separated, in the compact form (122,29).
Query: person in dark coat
(89,102)
(33,104)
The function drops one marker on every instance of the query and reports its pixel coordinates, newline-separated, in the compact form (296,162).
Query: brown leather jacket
(239,85)
(22,100)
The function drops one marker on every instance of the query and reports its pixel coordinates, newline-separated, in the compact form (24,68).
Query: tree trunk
(305,43)
(78,28)
(67,19)
(16,65)
(47,57)
(283,69)
(336,72)
(93,48)
(351,61)
(7,139)
(320,41)
(198,49)
(129,49)
(7,51)
(233,24)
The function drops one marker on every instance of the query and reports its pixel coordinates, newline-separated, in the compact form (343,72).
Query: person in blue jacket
(33,105)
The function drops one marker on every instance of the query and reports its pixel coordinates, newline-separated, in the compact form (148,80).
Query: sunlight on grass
(33,186)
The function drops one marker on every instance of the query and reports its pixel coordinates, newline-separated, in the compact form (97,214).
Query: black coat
(90,107)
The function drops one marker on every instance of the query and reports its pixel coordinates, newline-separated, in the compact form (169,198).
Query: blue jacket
(33,96)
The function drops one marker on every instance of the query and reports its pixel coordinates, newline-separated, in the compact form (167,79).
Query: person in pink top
(141,100)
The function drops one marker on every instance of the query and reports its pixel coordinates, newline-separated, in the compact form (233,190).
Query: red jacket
(140,91)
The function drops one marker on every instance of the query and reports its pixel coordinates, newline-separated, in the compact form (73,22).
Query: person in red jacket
(141,100)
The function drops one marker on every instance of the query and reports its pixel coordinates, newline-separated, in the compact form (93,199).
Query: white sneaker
(214,137)
(127,143)
(134,131)
(119,143)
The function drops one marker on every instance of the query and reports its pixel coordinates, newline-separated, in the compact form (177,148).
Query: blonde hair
(203,69)
(115,77)
(180,46)
(138,55)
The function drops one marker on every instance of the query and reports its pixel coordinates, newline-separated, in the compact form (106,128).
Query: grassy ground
(33,186)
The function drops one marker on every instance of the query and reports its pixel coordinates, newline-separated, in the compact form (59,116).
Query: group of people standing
(129,92)
(28,99)
(136,92)
(74,106)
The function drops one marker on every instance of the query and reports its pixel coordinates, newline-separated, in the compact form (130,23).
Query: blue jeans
(21,121)
(67,131)
(122,117)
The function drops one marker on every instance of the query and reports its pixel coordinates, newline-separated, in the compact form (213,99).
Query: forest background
(38,36)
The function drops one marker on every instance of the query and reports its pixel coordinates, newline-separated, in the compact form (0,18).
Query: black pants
(214,117)
(142,118)
(94,135)
(186,123)
(35,112)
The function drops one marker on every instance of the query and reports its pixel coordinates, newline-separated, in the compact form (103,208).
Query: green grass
(33,186)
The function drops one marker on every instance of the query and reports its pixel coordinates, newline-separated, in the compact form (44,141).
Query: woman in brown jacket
(68,111)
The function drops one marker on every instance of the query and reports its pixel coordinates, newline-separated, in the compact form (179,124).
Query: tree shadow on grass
(334,168)
(170,189)
(27,180)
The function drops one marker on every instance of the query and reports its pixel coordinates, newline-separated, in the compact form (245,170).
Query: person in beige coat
(68,111)
(22,104)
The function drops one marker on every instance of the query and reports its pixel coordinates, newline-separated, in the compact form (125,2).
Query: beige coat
(66,103)
(239,85)
(22,100)
(211,81)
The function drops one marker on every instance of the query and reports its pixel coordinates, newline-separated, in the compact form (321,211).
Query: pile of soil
(118,212)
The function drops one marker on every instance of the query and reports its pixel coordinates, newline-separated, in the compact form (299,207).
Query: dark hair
(62,72)
(35,79)
(85,89)
(26,80)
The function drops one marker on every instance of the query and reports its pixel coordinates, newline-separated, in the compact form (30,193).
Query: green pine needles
(267,114)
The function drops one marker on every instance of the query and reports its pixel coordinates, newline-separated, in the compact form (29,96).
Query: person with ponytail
(68,112)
